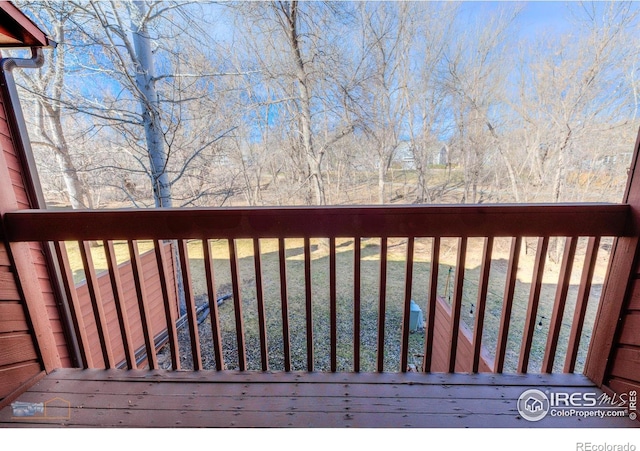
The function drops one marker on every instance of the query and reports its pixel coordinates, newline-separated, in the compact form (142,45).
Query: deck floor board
(118,398)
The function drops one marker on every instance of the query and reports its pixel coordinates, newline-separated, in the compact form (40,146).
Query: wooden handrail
(300,222)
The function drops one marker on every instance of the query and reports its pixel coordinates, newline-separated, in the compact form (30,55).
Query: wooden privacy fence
(446,347)
(110,300)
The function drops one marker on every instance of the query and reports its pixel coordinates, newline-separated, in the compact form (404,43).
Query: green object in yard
(416,319)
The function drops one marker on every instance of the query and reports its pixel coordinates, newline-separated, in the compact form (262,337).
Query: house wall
(623,374)
(19,359)
(32,337)
(19,173)
(464,353)
(151,280)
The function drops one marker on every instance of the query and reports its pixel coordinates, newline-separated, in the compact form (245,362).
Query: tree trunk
(558,188)
(512,175)
(49,105)
(148,99)
(78,197)
(314,160)
(75,188)
(382,172)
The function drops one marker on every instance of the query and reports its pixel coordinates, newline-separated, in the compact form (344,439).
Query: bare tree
(322,102)
(143,98)
(572,90)
(475,79)
(47,89)
(294,46)
(385,47)
(425,94)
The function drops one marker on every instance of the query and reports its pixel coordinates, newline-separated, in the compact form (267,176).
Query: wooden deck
(137,398)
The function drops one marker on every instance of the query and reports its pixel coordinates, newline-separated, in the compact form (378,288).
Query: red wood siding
(22,199)
(19,360)
(13,376)
(154,299)
(464,354)
(634,298)
(617,328)
(624,370)
(8,288)
(31,334)
(630,334)
(12,317)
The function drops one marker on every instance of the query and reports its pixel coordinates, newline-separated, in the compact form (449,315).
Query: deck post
(617,290)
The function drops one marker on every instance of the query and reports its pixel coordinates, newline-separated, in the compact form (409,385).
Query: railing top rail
(341,221)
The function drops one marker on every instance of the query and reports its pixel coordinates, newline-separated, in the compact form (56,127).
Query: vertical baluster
(74,304)
(582,301)
(357,255)
(456,306)
(237,303)
(382,303)
(169,309)
(308,302)
(213,306)
(121,307)
(333,305)
(284,303)
(431,307)
(581,304)
(96,304)
(532,308)
(406,314)
(559,304)
(191,305)
(136,267)
(507,303)
(483,288)
(262,326)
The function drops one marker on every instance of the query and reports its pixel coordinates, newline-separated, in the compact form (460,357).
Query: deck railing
(420,231)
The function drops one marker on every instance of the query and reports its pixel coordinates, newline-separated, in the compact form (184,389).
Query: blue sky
(543,16)
(536,16)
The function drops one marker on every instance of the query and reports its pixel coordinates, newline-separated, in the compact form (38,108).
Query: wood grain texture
(8,287)
(318,400)
(12,318)
(612,299)
(14,376)
(282,222)
(465,351)
(630,331)
(626,363)
(16,348)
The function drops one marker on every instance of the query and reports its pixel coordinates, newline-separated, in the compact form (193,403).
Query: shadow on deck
(137,398)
